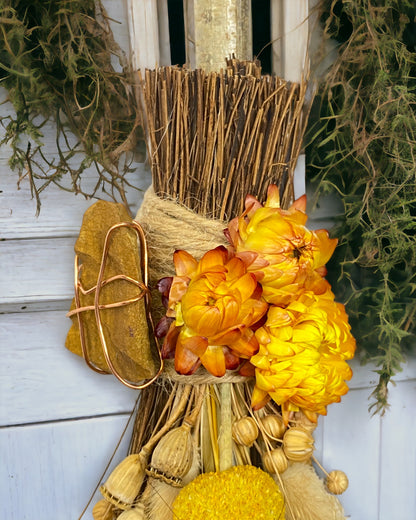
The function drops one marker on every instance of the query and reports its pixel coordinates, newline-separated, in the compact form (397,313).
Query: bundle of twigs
(215,137)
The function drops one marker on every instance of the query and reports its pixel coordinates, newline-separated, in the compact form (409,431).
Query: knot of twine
(169,226)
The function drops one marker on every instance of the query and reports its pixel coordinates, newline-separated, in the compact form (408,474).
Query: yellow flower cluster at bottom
(239,493)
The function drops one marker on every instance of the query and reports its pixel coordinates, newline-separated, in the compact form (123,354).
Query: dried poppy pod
(135,513)
(103,510)
(303,422)
(298,444)
(124,483)
(273,426)
(337,482)
(275,461)
(172,457)
(245,431)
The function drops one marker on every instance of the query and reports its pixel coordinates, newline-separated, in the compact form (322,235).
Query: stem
(225,440)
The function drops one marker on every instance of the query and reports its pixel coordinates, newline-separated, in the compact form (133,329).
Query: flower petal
(214,360)
(185,263)
(259,398)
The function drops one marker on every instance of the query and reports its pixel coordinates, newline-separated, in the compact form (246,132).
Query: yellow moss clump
(237,493)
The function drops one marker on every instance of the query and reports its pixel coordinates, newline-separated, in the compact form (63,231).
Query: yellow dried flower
(239,492)
(286,256)
(301,363)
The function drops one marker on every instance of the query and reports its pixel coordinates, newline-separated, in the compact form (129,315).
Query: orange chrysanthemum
(214,302)
(288,256)
(301,363)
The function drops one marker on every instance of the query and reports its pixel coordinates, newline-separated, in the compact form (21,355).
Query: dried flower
(301,361)
(214,302)
(337,482)
(288,256)
(298,444)
(234,493)
(245,431)
(275,461)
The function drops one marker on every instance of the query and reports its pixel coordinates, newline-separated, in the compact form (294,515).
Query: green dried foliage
(363,147)
(56,64)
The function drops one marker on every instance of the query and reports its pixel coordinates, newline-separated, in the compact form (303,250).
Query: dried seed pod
(245,431)
(172,457)
(298,444)
(273,426)
(275,461)
(337,482)
(135,513)
(125,481)
(303,422)
(103,510)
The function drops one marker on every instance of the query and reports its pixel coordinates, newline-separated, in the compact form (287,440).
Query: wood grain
(61,212)
(49,471)
(42,381)
(351,440)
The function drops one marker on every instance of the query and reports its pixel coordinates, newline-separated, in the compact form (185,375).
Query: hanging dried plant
(56,64)
(363,148)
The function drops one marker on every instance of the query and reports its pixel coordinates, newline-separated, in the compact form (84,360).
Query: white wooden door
(60,422)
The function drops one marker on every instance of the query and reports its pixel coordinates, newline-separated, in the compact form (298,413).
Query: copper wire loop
(97,307)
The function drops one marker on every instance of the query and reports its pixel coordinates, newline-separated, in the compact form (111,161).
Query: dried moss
(363,147)
(56,64)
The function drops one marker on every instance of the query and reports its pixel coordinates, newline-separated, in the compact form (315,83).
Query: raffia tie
(169,226)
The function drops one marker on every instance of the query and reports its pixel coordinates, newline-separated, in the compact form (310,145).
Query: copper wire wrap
(97,307)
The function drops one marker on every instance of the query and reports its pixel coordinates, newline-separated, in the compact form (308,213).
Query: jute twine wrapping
(170,226)
(201,376)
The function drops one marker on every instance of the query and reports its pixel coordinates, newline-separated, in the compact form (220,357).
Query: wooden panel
(40,380)
(364,376)
(351,441)
(61,212)
(144,33)
(289,32)
(398,454)
(299,177)
(36,271)
(49,471)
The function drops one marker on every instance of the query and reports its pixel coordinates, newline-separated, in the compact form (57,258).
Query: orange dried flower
(214,302)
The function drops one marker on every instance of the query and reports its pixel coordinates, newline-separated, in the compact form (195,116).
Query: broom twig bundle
(215,137)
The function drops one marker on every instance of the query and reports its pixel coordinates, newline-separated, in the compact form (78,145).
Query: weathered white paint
(43,381)
(143,26)
(289,32)
(59,421)
(18,208)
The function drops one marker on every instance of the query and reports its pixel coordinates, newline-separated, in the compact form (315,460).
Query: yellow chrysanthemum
(214,302)
(301,363)
(286,252)
(241,492)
